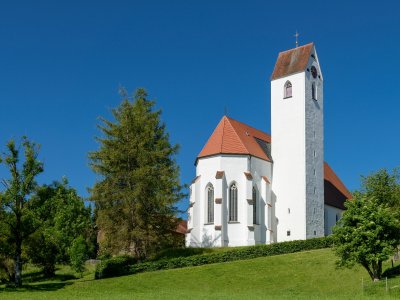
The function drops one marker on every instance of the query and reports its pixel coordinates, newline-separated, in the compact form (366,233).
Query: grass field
(304,275)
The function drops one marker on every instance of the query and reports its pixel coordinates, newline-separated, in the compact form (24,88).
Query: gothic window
(233,203)
(210,204)
(287,90)
(313,91)
(254,205)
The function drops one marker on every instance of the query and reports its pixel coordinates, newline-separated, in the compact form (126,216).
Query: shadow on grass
(391,272)
(39,276)
(41,287)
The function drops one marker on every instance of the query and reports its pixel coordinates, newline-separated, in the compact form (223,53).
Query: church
(254,188)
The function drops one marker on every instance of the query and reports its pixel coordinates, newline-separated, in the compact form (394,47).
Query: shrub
(238,253)
(78,254)
(115,266)
(180,252)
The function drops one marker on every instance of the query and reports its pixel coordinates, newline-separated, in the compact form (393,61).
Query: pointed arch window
(233,211)
(254,205)
(287,92)
(313,91)
(210,204)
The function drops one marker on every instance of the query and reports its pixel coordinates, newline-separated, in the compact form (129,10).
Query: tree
(384,187)
(17,217)
(78,254)
(64,218)
(139,179)
(367,234)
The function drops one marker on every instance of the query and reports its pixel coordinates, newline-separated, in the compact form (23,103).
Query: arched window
(313,91)
(254,205)
(210,204)
(287,93)
(233,203)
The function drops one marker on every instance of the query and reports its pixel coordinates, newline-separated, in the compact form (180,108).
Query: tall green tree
(139,185)
(17,214)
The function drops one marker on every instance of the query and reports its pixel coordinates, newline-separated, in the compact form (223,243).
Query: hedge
(115,266)
(239,253)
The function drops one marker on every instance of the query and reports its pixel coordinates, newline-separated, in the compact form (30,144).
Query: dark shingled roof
(292,61)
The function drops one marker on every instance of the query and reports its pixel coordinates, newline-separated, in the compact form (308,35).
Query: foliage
(18,219)
(64,218)
(234,254)
(181,252)
(368,233)
(139,180)
(115,266)
(384,187)
(78,254)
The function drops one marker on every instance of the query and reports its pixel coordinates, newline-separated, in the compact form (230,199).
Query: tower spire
(297,38)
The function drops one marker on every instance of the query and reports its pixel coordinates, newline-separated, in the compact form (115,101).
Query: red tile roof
(292,61)
(331,177)
(234,137)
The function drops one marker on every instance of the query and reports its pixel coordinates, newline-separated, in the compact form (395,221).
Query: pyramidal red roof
(234,137)
(292,61)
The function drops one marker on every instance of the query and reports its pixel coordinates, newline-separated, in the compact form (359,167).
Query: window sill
(288,97)
(208,223)
(233,222)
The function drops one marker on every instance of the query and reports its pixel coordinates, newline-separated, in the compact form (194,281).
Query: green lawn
(304,275)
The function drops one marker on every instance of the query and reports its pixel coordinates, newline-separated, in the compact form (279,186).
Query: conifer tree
(139,185)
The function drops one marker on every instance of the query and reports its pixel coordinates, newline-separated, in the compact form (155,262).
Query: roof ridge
(223,133)
(237,135)
(312,43)
(231,119)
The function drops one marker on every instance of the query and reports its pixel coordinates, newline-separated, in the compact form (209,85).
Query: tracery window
(233,211)
(254,205)
(210,204)
(287,90)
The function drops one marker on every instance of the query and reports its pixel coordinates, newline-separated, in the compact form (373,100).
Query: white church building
(255,188)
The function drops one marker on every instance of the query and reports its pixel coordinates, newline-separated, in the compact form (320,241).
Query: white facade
(297,150)
(223,232)
(289,188)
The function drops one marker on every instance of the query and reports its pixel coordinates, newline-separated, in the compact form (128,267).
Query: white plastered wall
(222,232)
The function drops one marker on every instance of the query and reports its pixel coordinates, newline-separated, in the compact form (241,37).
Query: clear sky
(62,62)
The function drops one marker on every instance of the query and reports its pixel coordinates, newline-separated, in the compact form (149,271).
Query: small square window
(288,233)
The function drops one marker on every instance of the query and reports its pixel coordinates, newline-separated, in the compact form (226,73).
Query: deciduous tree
(367,234)
(17,216)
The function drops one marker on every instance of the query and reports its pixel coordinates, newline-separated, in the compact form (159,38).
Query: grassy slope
(307,275)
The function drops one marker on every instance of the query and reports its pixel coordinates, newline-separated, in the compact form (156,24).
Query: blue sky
(62,62)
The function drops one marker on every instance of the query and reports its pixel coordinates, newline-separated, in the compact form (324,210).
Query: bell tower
(297,130)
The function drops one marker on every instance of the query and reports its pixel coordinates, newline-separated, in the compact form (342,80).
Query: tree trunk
(18,250)
(18,268)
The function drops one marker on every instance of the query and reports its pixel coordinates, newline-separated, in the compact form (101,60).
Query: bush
(78,254)
(180,252)
(238,253)
(115,266)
